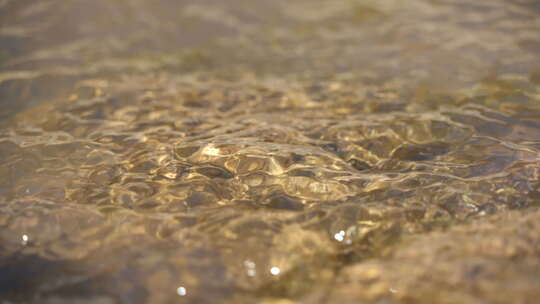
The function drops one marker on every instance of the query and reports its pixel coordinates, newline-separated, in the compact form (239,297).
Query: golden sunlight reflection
(210,150)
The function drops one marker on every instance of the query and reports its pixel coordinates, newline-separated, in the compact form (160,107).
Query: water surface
(269,151)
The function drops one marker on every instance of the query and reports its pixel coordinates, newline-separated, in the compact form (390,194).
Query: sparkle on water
(181,291)
(275,271)
(340,236)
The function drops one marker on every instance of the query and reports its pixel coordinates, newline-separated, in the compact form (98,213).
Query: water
(269,152)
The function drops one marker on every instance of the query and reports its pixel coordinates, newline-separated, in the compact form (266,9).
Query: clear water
(269,151)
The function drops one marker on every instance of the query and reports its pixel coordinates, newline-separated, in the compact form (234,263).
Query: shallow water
(269,152)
